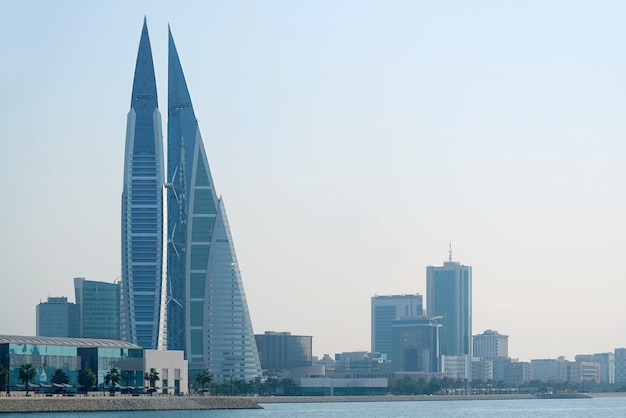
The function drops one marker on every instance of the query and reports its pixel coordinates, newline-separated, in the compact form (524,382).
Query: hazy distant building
(482,369)
(99,308)
(490,344)
(457,367)
(518,372)
(57,318)
(449,295)
(607,365)
(544,370)
(620,365)
(386,309)
(415,345)
(282,351)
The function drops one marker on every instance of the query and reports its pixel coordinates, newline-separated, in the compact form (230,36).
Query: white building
(457,367)
(490,344)
(172,369)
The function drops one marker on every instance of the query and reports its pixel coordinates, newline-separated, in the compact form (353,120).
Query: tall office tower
(98,308)
(620,365)
(416,345)
(283,351)
(207,312)
(142,291)
(449,295)
(490,344)
(385,309)
(57,318)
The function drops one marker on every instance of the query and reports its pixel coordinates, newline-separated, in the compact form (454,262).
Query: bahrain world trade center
(200,307)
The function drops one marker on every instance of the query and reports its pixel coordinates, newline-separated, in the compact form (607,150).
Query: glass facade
(450,296)
(387,308)
(282,351)
(99,308)
(416,345)
(207,312)
(57,318)
(71,355)
(142,319)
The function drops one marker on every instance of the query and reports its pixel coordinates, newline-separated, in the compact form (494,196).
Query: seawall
(141,403)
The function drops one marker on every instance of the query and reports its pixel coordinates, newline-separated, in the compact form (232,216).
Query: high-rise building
(386,309)
(490,344)
(607,364)
(415,345)
(283,351)
(449,295)
(99,308)
(57,318)
(207,312)
(620,365)
(142,295)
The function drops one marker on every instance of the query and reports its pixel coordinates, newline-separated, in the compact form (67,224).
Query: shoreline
(36,404)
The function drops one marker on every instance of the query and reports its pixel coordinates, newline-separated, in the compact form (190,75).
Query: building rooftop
(76,342)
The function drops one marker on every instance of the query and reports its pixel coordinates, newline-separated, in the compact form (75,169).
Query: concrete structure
(607,365)
(282,351)
(449,295)
(142,320)
(172,368)
(57,318)
(207,311)
(416,345)
(457,367)
(327,386)
(482,369)
(99,308)
(518,372)
(386,309)
(544,370)
(490,344)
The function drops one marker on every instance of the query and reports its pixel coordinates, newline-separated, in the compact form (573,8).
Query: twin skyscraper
(198,304)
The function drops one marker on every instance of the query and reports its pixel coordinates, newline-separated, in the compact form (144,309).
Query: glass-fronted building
(57,318)
(416,345)
(207,311)
(386,309)
(283,351)
(449,295)
(71,355)
(99,308)
(142,321)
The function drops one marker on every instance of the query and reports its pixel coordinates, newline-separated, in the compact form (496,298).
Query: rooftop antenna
(450,252)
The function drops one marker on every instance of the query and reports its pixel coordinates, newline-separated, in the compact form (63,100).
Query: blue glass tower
(207,312)
(142,291)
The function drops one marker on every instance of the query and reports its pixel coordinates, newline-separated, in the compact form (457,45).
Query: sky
(352,141)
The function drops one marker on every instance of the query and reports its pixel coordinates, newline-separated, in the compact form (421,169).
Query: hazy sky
(351,141)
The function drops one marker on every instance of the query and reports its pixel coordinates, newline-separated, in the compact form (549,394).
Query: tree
(152,378)
(4,377)
(60,377)
(87,379)
(204,378)
(112,377)
(26,374)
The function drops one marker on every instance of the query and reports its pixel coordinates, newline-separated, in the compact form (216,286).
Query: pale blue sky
(351,140)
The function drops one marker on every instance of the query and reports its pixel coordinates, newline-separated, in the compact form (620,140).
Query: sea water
(609,407)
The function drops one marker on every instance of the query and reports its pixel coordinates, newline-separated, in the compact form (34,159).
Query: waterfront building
(57,318)
(482,370)
(620,365)
(449,295)
(283,351)
(98,308)
(544,370)
(607,365)
(142,314)
(490,344)
(416,344)
(518,372)
(385,309)
(457,367)
(328,386)
(207,311)
(172,368)
(48,354)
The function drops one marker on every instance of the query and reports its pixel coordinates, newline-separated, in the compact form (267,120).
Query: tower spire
(450,251)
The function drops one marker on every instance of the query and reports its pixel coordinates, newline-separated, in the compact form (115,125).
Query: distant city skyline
(352,141)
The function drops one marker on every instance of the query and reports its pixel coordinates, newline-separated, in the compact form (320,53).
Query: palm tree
(60,377)
(26,374)
(113,377)
(204,378)
(152,377)
(87,379)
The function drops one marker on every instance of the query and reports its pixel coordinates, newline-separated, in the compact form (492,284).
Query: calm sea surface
(570,408)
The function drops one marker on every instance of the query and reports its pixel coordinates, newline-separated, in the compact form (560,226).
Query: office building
(207,311)
(449,295)
(282,351)
(607,365)
(620,365)
(142,321)
(490,344)
(416,344)
(386,309)
(98,308)
(57,318)
(457,367)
